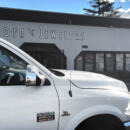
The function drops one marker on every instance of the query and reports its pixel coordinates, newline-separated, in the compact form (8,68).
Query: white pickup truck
(35,98)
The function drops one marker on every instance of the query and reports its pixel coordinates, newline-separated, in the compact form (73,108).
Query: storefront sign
(41,32)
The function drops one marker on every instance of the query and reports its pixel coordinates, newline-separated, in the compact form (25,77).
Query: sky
(66,6)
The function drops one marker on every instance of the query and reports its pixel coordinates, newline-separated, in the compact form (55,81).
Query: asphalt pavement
(128,129)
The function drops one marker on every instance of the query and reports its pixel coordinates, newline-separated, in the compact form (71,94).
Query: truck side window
(12,68)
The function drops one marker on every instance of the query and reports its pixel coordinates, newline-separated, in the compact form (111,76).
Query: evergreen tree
(102,8)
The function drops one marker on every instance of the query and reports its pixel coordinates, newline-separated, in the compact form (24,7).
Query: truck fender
(93,111)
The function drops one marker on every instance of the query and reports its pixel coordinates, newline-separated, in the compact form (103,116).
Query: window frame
(82,54)
(103,62)
(124,61)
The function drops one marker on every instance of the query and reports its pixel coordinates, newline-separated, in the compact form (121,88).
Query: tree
(102,8)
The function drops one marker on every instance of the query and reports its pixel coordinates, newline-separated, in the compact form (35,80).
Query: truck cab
(35,98)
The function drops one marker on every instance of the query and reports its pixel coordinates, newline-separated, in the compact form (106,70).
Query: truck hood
(89,80)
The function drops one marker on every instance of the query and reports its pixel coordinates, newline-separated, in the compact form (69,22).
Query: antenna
(70,91)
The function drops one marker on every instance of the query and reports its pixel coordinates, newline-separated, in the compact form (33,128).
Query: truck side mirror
(33,77)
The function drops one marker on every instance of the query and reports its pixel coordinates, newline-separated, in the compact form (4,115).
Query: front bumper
(127,125)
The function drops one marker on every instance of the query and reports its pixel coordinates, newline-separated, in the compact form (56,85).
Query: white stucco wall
(69,38)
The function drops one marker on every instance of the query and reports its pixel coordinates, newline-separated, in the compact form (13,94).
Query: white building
(60,40)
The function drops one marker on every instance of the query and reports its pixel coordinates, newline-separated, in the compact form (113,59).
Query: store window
(127,67)
(103,61)
(119,61)
(99,62)
(110,62)
(89,62)
(79,63)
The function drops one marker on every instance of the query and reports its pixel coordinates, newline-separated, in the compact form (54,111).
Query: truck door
(22,107)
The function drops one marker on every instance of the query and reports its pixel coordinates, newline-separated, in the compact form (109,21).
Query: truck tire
(102,126)
(101,123)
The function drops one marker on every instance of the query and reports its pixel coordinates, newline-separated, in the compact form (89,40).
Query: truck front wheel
(102,126)
(101,123)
